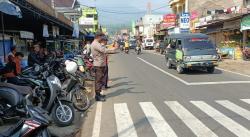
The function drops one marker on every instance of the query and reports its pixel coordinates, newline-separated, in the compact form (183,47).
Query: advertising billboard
(169,20)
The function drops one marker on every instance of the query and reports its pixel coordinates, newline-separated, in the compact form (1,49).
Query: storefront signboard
(185,21)
(26,35)
(169,20)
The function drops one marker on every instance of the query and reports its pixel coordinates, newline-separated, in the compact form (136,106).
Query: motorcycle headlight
(187,58)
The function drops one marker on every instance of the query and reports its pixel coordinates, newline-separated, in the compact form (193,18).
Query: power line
(122,12)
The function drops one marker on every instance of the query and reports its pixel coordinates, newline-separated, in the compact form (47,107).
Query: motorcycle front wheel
(81,100)
(64,114)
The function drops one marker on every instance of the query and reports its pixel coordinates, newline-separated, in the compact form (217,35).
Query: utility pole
(186,6)
(53,4)
(149,11)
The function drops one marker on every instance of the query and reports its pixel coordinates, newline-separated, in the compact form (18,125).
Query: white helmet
(71,66)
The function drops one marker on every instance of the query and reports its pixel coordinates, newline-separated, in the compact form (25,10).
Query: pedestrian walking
(99,55)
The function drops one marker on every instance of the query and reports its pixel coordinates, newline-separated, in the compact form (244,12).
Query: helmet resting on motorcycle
(71,66)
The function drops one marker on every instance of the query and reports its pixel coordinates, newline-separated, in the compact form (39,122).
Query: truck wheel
(210,69)
(179,69)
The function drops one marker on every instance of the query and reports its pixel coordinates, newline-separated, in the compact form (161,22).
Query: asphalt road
(149,100)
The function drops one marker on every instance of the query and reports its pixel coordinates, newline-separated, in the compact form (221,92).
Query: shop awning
(9,8)
(245,23)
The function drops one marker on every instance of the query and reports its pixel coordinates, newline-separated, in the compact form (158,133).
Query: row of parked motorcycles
(49,93)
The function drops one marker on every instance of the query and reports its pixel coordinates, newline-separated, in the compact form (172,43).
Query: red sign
(169,20)
(194,15)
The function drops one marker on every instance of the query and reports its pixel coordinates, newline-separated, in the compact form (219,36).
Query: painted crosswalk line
(125,126)
(97,121)
(246,101)
(227,122)
(156,120)
(235,108)
(198,128)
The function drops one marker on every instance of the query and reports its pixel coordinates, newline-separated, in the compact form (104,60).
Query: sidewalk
(239,66)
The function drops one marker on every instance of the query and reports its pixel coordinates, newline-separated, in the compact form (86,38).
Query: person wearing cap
(34,56)
(104,43)
(99,53)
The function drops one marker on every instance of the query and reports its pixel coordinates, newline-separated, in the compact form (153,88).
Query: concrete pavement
(149,100)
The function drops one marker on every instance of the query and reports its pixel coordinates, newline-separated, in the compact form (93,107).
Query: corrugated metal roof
(61,3)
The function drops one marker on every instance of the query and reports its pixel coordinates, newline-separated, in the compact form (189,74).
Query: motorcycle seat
(24,90)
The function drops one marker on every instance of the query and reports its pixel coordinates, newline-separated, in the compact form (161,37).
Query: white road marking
(163,71)
(125,126)
(235,108)
(199,129)
(218,83)
(233,72)
(159,125)
(193,83)
(246,101)
(227,122)
(97,122)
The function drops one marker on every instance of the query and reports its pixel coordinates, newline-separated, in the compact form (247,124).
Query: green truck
(190,51)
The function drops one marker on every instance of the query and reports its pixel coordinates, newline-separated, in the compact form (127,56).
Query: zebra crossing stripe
(198,128)
(246,101)
(125,126)
(97,122)
(235,108)
(228,123)
(159,125)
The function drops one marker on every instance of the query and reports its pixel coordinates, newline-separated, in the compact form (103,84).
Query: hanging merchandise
(45,31)
(76,30)
(57,31)
(54,31)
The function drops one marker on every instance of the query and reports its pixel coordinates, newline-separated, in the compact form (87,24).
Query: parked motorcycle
(73,84)
(11,97)
(14,101)
(54,99)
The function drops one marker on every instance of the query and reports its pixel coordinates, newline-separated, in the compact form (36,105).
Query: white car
(148,43)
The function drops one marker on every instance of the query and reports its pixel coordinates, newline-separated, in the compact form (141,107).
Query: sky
(121,8)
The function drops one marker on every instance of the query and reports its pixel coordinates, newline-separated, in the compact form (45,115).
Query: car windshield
(149,40)
(132,41)
(198,43)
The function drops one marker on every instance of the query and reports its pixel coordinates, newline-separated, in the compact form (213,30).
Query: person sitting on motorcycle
(126,45)
(34,56)
(138,44)
(13,69)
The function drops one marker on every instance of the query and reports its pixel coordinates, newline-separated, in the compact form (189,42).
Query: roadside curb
(90,87)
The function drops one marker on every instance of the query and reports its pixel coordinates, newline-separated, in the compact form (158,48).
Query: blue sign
(185,21)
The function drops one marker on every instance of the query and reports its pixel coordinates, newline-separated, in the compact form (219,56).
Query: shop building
(89,19)
(39,22)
